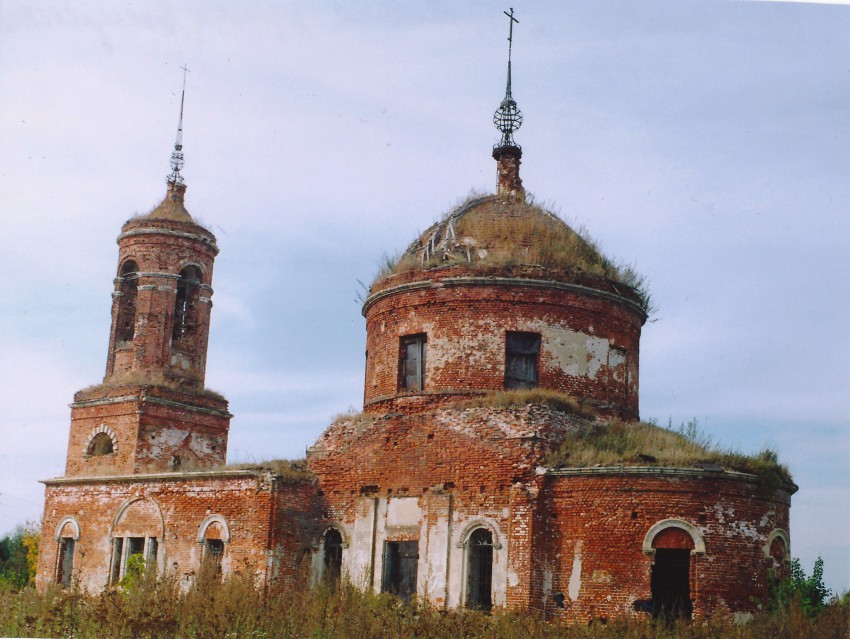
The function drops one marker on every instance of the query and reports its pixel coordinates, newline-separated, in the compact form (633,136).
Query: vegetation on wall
(608,443)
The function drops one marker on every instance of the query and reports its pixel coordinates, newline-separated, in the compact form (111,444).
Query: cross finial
(508,117)
(177,155)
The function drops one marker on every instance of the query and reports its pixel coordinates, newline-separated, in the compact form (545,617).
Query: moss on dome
(490,232)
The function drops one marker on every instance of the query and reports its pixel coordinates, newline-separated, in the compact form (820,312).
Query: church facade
(500,341)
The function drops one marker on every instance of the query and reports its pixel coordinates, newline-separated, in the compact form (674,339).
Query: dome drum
(475,331)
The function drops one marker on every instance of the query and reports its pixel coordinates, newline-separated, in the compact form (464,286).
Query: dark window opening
(413,362)
(214,548)
(101,444)
(333,557)
(670,584)
(401,559)
(153,549)
(126,317)
(480,570)
(115,570)
(522,350)
(65,570)
(186,303)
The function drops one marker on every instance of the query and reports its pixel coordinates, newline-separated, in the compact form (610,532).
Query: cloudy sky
(705,141)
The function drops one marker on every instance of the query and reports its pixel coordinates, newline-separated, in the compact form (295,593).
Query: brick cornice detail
(502,281)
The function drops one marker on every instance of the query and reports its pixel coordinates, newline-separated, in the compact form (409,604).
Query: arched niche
(657,532)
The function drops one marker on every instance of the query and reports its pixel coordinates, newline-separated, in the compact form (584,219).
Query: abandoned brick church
(502,361)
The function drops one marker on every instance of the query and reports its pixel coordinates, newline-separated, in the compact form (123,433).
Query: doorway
(670,583)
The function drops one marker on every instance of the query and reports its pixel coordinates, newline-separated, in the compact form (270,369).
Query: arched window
(127,287)
(101,444)
(67,535)
(333,557)
(479,571)
(777,550)
(186,303)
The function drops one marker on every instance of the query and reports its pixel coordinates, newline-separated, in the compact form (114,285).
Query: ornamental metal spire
(174,178)
(508,118)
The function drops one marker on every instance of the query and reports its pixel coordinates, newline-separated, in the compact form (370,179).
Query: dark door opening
(333,557)
(400,562)
(480,570)
(670,583)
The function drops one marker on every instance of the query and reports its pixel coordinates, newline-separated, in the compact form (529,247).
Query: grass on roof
(289,470)
(646,444)
(140,378)
(516,398)
(501,233)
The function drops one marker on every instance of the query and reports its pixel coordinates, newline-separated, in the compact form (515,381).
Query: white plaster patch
(513,578)
(575,353)
(575,576)
(403,511)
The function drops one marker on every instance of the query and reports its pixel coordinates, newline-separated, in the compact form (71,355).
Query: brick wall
(589,349)
(154,429)
(262,514)
(593,524)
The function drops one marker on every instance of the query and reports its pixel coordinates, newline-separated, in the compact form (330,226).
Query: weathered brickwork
(156,429)
(589,338)
(441,489)
(594,547)
(248,509)
(154,253)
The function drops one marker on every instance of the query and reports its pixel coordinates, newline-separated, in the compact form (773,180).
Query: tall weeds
(211,608)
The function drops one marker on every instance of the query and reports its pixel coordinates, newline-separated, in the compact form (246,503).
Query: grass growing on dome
(485,232)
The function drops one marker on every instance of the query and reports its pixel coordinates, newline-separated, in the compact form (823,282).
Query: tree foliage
(19,555)
(809,592)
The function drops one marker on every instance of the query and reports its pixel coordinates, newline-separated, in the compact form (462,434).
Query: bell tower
(152,412)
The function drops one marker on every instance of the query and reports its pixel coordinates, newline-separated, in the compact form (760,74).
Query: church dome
(508,235)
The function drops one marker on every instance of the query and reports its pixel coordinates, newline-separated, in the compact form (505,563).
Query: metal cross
(511,31)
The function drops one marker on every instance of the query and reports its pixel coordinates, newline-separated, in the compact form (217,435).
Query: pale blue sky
(705,141)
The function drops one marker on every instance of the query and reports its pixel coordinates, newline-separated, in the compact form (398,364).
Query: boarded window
(412,377)
(65,568)
(401,559)
(126,317)
(186,303)
(480,570)
(333,557)
(670,583)
(522,350)
(101,444)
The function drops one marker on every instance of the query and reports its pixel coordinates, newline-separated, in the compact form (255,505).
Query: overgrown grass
(486,232)
(516,398)
(150,607)
(157,378)
(290,470)
(640,443)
